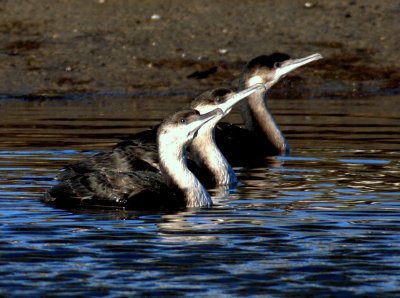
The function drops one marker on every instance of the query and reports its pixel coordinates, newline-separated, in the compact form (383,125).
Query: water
(322,222)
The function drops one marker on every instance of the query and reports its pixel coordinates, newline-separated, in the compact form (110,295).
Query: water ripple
(321,222)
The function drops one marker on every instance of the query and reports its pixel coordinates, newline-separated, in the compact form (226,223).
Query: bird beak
(227,106)
(203,119)
(290,65)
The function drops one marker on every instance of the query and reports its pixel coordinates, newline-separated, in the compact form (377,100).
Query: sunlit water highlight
(322,221)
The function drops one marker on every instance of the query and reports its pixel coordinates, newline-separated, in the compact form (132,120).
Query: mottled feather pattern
(131,156)
(140,189)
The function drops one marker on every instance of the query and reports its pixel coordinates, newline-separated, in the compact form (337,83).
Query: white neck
(207,153)
(258,119)
(173,165)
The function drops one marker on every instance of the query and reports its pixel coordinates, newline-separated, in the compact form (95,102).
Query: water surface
(322,221)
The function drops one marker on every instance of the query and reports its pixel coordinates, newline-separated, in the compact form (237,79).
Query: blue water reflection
(321,222)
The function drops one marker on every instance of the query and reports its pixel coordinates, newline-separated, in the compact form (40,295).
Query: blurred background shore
(58,47)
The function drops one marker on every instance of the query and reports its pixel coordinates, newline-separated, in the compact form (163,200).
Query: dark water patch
(22,46)
(21,27)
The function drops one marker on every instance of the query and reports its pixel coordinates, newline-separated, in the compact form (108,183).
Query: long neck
(258,119)
(173,165)
(207,153)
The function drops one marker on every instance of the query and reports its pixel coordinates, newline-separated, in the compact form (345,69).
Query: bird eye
(219,100)
(183,120)
(277,64)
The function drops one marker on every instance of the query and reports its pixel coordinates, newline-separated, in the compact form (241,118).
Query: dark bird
(211,167)
(261,136)
(175,186)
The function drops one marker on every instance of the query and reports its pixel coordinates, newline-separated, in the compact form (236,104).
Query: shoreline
(56,48)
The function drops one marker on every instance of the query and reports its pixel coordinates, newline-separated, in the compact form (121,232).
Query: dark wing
(144,138)
(133,158)
(138,190)
(240,146)
(136,154)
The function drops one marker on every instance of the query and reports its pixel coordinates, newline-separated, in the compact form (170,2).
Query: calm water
(324,221)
